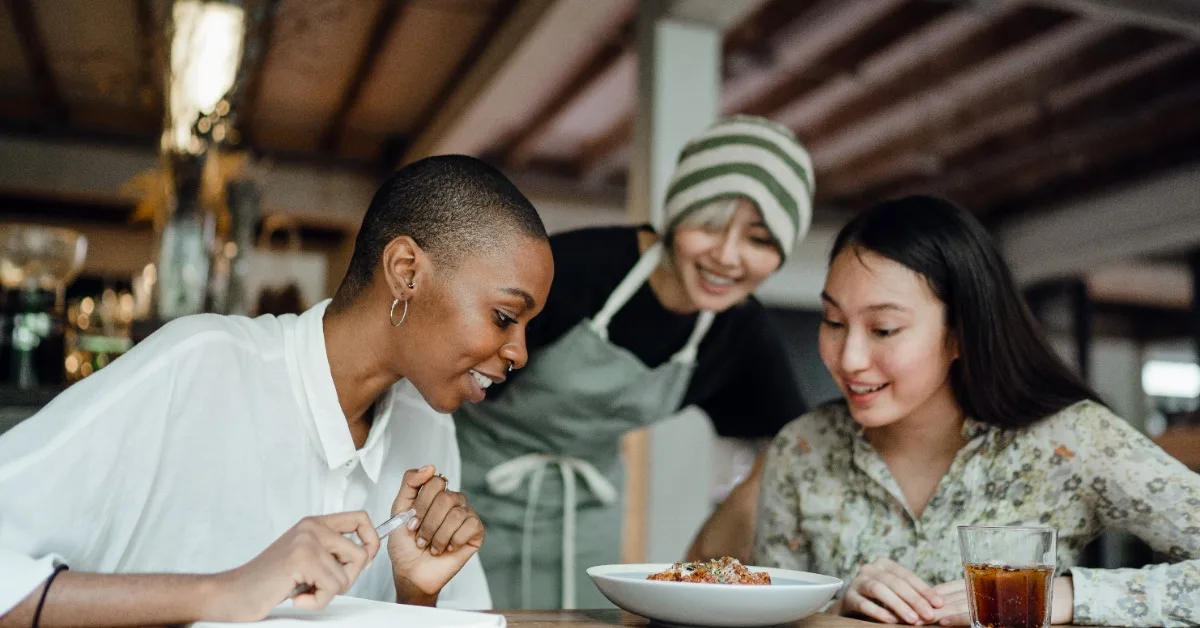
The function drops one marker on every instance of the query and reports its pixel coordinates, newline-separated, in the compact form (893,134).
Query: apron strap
(535,490)
(507,477)
(625,290)
(687,355)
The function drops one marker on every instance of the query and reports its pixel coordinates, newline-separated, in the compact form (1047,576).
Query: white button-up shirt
(201,447)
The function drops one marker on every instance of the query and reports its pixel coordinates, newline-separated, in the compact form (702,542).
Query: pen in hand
(383,529)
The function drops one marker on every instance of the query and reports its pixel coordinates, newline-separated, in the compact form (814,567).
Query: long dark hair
(1006,374)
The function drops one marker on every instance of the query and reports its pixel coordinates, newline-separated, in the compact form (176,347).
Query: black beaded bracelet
(37,614)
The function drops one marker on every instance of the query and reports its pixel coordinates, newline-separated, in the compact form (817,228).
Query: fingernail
(414,523)
(449,548)
(434,551)
(427,467)
(421,543)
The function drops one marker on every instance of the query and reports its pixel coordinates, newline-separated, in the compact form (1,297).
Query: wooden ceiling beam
(1099,174)
(1108,152)
(1181,18)
(751,39)
(604,155)
(846,58)
(823,26)
(1072,135)
(40,73)
(465,123)
(906,47)
(747,47)
(1001,34)
(389,16)
(761,25)
(1125,132)
(1102,158)
(262,15)
(129,137)
(518,150)
(500,14)
(1177,71)
(1104,66)
(911,57)
(923,112)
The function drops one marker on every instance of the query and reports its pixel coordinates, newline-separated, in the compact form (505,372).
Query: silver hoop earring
(392,313)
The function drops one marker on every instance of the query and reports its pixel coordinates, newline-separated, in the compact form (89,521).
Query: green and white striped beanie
(751,157)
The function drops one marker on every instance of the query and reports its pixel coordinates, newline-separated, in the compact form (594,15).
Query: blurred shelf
(36,397)
(18,404)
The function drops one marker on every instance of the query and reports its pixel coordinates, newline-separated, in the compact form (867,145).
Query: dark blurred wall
(799,329)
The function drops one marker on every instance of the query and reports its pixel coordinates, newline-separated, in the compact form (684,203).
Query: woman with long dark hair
(956,411)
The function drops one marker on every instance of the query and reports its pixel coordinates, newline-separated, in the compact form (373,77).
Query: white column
(679,88)
(679,91)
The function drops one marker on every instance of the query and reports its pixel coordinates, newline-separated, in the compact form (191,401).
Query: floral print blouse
(829,504)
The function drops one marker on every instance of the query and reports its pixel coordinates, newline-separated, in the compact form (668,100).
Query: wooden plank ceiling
(1006,106)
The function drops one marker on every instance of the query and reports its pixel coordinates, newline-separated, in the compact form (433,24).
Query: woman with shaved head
(211,472)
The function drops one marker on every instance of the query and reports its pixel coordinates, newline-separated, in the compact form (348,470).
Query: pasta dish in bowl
(724,570)
(714,593)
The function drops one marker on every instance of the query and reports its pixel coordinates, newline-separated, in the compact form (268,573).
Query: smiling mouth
(863,390)
(716,280)
(483,380)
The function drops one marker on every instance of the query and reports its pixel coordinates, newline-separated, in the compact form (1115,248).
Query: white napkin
(347,612)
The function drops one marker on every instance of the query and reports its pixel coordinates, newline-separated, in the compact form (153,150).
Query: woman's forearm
(729,531)
(96,600)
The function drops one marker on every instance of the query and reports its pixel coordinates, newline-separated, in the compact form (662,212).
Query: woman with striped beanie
(638,325)
(742,160)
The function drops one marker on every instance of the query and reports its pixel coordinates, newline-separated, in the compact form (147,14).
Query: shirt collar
(973,431)
(333,432)
(371,455)
(868,461)
(972,428)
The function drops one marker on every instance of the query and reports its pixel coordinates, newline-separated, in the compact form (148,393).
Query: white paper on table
(347,612)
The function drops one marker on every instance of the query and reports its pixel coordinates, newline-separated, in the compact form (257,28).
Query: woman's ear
(404,266)
(952,348)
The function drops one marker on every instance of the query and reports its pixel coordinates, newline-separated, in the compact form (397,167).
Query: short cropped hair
(450,205)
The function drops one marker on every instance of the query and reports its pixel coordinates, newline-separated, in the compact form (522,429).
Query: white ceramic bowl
(792,595)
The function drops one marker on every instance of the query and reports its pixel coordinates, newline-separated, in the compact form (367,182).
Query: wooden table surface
(606,617)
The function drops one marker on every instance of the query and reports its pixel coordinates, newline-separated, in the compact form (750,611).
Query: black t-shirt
(743,379)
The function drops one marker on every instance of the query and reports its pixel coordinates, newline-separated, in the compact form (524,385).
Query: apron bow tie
(507,477)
